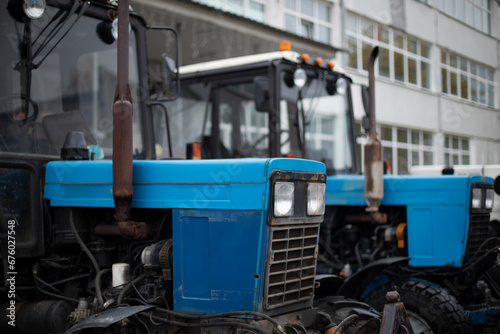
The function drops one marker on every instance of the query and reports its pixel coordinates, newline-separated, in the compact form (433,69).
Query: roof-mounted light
(34,8)
(285,46)
(318,61)
(305,57)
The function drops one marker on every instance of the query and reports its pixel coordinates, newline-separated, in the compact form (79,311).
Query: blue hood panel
(188,184)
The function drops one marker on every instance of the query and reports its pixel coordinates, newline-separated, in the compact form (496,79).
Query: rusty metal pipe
(122,135)
(374,168)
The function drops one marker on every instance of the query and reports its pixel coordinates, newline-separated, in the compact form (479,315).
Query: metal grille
(291,266)
(478,232)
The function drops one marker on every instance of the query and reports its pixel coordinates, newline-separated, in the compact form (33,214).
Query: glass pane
(402,161)
(453,83)
(447,140)
(399,67)
(450,7)
(486,22)
(323,12)
(306,7)
(353,54)
(491,96)
(465,144)
(235,7)
(290,23)
(415,159)
(415,137)
(465,160)
(383,35)
(461,10)
(455,160)
(478,18)
(453,61)
(367,29)
(428,158)
(489,74)
(307,29)
(412,46)
(384,63)
(444,80)
(481,71)
(290,4)
(350,23)
(386,133)
(482,92)
(412,71)
(464,87)
(398,41)
(324,34)
(447,159)
(425,51)
(402,135)
(473,90)
(427,139)
(454,143)
(387,155)
(469,10)
(443,57)
(425,70)
(463,64)
(257,11)
(366,49)
(473,68)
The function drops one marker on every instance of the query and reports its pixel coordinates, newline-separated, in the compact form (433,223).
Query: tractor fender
(355,286)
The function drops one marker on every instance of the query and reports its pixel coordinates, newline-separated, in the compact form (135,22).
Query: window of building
(475,13)
(401,58)
(404,148)
(456,151)
(309,18)
(252,9)
(467,80)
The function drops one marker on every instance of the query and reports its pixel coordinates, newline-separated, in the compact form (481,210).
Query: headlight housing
(477,198)
(316,199)
(489,199)
(34,8)
(284,194)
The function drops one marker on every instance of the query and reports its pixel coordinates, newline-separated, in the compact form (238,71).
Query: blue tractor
(100,235)
(429,236)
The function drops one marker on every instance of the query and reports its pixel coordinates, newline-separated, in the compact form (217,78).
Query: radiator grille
(291,265)
(478,232)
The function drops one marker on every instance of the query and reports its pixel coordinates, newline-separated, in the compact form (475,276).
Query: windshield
(315,121)
(66,66)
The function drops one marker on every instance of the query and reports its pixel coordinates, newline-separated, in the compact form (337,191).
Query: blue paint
(437,210)
(217,259)
(189,184)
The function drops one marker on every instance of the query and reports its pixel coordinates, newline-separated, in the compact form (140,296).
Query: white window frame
(225,5)
(467,11)
(361,39)
(463,154)
(314,20)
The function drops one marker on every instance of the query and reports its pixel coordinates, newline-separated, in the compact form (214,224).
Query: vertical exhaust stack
(122,135)
(374,168)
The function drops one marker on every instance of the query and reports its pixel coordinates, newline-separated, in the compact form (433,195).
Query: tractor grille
(291,265)
(478,232)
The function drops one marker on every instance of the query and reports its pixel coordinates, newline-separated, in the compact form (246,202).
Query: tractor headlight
(315,199)
(284,193)
(477,198)
(34,8)
(489,199)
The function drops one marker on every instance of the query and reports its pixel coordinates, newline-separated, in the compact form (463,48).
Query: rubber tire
(432,303)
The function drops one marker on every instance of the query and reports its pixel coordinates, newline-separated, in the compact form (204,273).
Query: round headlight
(341,86)
(34,8)
(299,78)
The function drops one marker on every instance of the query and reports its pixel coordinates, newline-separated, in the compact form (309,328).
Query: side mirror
(261,94)
(169,77)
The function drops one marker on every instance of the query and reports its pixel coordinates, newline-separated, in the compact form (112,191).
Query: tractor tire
(430,308)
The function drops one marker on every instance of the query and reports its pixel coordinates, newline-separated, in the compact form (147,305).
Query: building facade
(438,71)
